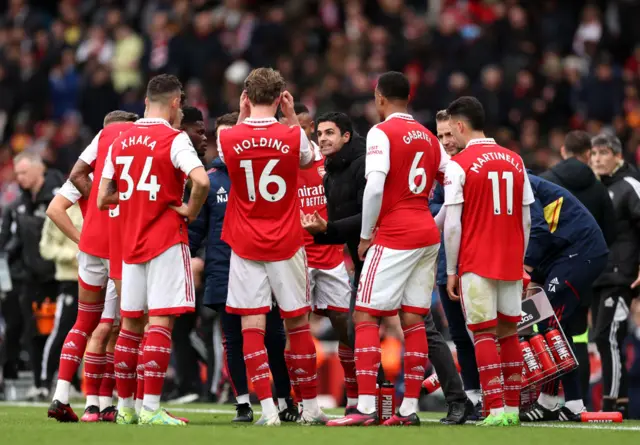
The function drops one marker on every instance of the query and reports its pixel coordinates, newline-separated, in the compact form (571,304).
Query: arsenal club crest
(321,171)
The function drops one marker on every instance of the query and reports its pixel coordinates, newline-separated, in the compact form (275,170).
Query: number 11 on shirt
(495,184)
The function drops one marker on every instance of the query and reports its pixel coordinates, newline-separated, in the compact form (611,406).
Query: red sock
(108,379)
(157,352)
(347,360)
(255,359)
(511,358)
(297,397)
(368,356)
(490,371)
(303,361)
(94,365)
(76,342)
(125,358)
(140,369)
(416,351)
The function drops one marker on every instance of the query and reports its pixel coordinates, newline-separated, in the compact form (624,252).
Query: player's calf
(490,370)
(511,362)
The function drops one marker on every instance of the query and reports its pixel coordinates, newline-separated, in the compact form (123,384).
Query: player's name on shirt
(416,135)
(312,196)
(140,140)
(249,143)
(493,156)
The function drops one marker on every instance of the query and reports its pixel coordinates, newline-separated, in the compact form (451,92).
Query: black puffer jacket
(577,178)
(624,256)
(25,222)
(344,184)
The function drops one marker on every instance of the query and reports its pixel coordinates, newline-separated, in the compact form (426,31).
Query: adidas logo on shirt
(222,195)
(555,281)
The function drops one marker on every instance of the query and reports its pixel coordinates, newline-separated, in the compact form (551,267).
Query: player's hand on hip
(183,210)
(363,247)
(453,285)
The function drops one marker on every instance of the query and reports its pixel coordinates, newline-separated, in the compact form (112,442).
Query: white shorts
(161,286)
(330,289)
(252,283)
(111,311)
(397,279)
(93,272)
(485,300)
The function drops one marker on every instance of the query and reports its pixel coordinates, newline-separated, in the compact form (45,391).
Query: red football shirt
(94,238)
(263,157)
(411,157)
(492,184)
(313,199)
(150,164)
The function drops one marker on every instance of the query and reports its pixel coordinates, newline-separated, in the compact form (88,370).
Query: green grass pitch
(24,424)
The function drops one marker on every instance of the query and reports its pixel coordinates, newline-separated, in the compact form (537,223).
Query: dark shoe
(61,412)
(538,413)
(398,420)
(623,408)
(291,413)
(350,410)
(244,413)
(473,412)
(566,415)
(456,414)
(108,414)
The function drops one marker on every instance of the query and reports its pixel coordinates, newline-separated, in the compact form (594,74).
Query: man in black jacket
(618,284)
(575,175)
(21,232)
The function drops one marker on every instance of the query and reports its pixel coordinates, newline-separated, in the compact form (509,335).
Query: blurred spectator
(97,99)
(126,59)
(64,85)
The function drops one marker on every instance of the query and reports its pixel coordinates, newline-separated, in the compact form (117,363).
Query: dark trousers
(35,293)
(66,313)
(610,314)
(442,360)
(275,341)
(186,356)
(568,285)
(12,315)
(462,340)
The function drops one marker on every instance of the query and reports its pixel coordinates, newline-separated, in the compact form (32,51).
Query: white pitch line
(562,425)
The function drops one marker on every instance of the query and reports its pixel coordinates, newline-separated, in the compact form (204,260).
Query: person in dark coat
(620,281)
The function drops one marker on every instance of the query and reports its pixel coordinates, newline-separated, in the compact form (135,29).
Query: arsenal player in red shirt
(96,312)
(262,226)
(145,175)
(486,230)
(403,159)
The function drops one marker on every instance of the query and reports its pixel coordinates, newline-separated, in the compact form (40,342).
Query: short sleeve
(444,159)
(90,154)
(378,146)
(454,180)
(69,192)
(183,154)
(527,191)
(218,146)
(306,154)
(108,171)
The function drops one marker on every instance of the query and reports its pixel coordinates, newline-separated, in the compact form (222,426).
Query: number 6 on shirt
(152,186)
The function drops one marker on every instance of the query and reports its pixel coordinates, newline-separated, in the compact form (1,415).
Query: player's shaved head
(264,86)
(394,86)
(119,116)
(164,88)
